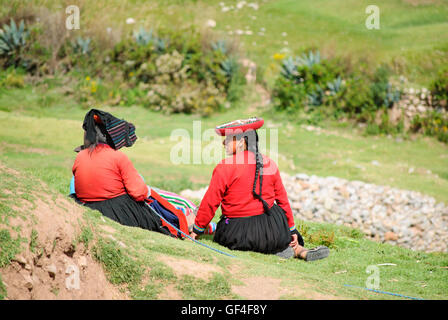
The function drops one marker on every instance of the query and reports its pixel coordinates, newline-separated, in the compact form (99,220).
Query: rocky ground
(406,218)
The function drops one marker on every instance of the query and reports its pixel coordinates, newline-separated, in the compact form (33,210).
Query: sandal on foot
(317,253)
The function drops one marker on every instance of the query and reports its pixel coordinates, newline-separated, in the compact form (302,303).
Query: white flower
(211,23)
(222,4)
(284,34)
(240,4)
(109,29)
(253,5)
(130,21)
(239,31)
(285,43)
(262,29)
(225,9)
(248,32)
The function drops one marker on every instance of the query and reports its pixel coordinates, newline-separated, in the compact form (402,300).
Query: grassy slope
(335,152)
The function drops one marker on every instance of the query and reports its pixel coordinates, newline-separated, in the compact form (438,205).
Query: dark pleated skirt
(262,233)
(125,210)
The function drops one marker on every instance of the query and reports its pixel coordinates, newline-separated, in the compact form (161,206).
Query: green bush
(357,99)
(432,124)
(324,88)
(439,89)
(180,75)
(307,82)
(12,78)
(12,41)
(384,94)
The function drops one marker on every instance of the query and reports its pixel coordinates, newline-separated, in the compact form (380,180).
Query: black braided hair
(251,139)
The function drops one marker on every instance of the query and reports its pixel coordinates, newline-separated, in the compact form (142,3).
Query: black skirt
(125,210)
(265,233)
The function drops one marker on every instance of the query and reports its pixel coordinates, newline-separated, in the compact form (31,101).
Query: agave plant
(393,95)
(12,39)
(229,67)
(142,37)
(335,86)
(82,45)
(315,98)
(220,45)
(289,69)
(310,59)
(159,44)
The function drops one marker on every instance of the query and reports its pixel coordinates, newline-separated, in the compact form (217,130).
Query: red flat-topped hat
(239,126)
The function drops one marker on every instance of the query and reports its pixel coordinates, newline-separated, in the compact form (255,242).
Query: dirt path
(263,101)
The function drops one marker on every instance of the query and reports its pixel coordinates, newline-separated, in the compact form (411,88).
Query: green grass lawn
(342,151)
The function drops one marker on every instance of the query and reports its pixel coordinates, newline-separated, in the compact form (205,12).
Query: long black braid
(251,139)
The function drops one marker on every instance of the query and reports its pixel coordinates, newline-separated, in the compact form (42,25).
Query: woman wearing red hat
(257,221)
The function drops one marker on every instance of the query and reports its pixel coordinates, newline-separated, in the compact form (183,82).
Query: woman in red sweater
(105,178)
(257,221)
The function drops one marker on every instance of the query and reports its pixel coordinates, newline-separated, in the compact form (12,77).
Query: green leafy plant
(431,124)
(12,41)
(439,89)
(82,46)
(310,59)
(142,37)
(384,94)
(220,46)
(9,247)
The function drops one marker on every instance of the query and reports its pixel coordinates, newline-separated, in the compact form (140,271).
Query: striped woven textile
(185,205)
(175,199)
(121,132)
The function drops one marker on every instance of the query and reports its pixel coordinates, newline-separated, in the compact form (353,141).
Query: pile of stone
(406,218)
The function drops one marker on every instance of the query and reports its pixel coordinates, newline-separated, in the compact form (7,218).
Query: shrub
(12,78)
(307,81)
(183,77)
(12,42)
(439,89)
(356,100)
(325,88)
(432,124)
(384,94)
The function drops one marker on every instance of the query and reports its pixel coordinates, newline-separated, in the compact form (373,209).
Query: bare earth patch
(20,148)
(264,288)
(54,268)
(188,267)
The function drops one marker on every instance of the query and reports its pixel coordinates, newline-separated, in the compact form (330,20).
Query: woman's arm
(132,180)
(211,201)
(281,198)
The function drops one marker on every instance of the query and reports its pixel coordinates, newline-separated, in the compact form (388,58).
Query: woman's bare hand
(294,242)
